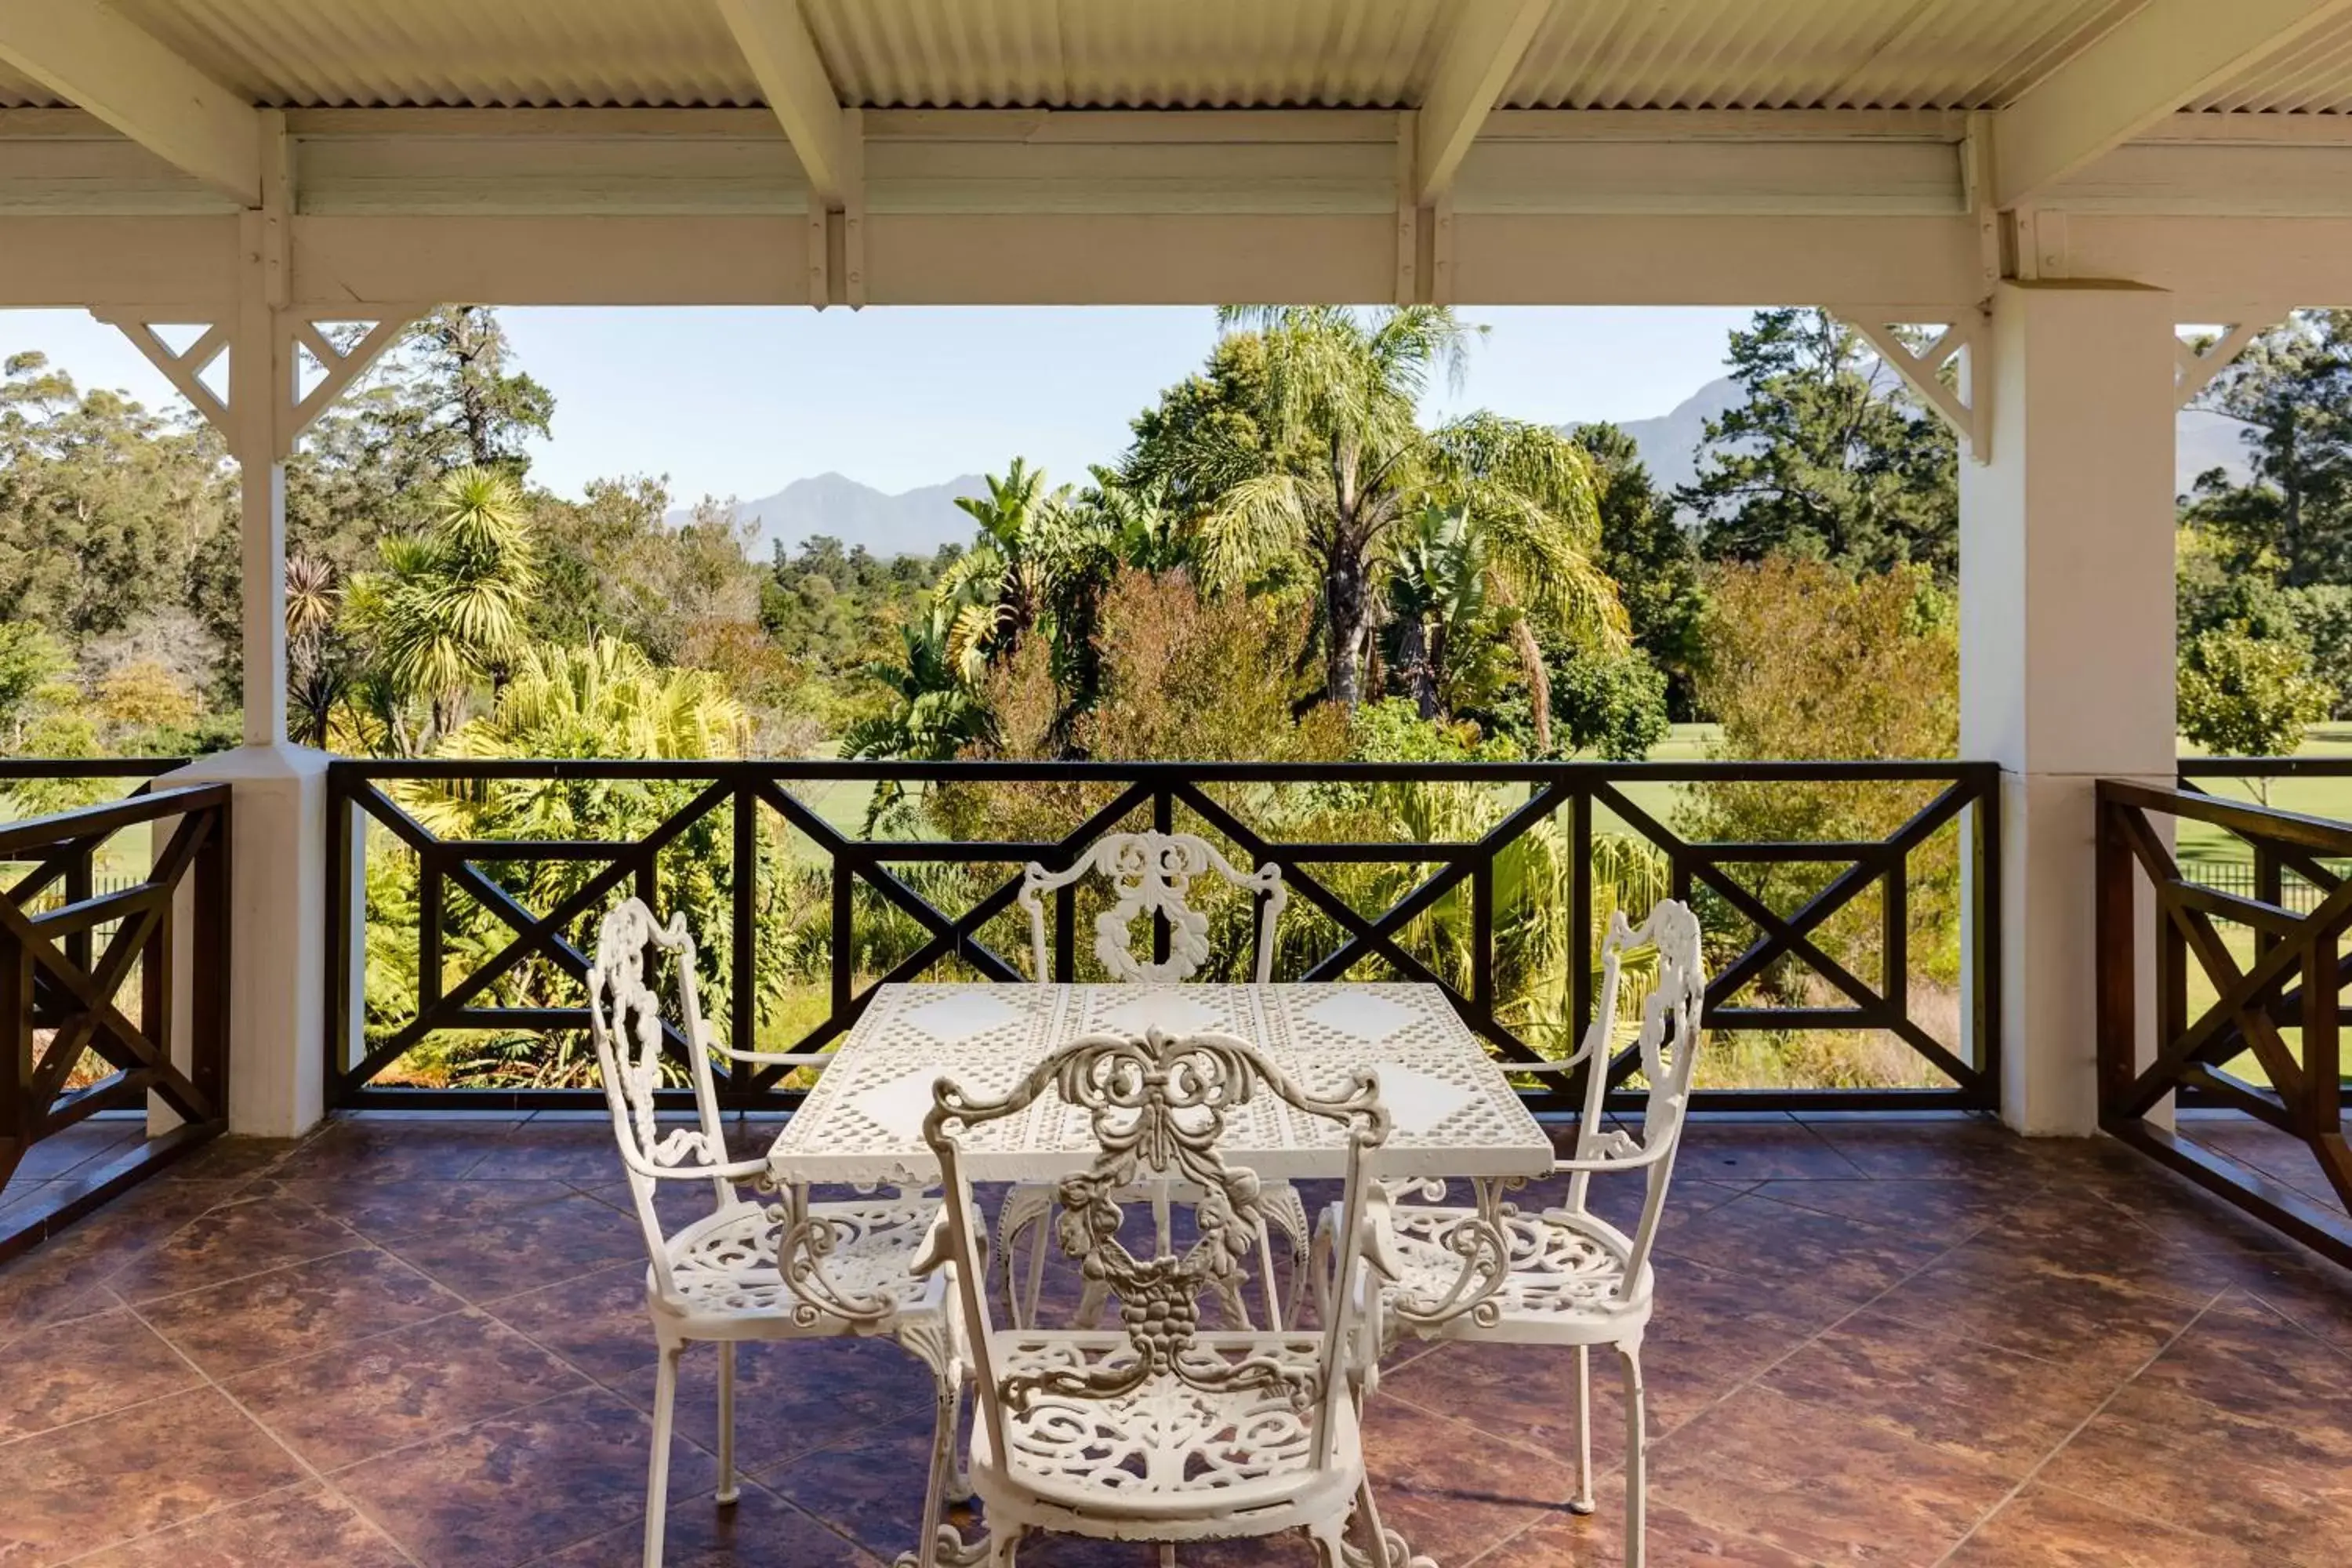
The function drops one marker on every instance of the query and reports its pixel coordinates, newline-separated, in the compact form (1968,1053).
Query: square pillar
(2066,643)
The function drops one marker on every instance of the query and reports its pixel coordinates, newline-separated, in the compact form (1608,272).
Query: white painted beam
(1480,57)
(775,41)
(2133,77)
(85,51)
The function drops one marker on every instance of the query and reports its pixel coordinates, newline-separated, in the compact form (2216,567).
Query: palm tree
(1347,463)
(445,613)
(317,677)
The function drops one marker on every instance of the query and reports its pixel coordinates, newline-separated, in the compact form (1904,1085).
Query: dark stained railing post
(2113,939)
(20,1112)
(742,1031)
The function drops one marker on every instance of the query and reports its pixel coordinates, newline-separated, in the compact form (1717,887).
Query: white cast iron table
(1454,1115)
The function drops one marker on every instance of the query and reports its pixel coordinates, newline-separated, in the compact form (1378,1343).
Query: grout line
(307,1468)
(2056,1448)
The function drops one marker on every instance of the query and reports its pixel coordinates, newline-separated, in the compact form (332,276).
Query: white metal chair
(1152,873)
(1561,1276)
(790,1269)
(1156,1430)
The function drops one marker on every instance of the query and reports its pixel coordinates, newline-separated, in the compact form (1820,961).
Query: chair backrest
(1158,1108)
(1668,1041)
(1152,873)
(624,1018)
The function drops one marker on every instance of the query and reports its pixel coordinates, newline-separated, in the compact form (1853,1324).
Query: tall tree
(2291,522)
(1830,457)
(1650,555)
(1333,461)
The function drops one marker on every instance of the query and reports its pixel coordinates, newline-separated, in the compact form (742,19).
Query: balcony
(1914,1341)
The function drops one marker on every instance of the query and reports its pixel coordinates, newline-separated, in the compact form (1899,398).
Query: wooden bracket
(2199,362)
(184,368)
(1964,403)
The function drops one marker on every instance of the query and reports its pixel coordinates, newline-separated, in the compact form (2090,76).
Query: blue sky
(742,402)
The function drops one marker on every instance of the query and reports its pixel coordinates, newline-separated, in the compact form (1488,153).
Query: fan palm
(1348,463)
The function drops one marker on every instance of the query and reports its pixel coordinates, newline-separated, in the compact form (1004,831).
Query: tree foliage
(1830,457)
(2241,697)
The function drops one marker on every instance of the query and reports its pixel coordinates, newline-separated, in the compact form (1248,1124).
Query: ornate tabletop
(1454,1112)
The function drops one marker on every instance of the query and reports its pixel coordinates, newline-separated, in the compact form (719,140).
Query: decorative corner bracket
(338,367)
(2198,363)
(1965,402)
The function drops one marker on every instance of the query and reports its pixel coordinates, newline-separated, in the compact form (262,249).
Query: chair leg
(728,1491)
(657,1468)
(959,1452)
(947,1403)
(1318,1274)
(1167,1554)
(1581,1503)
(1637,1459)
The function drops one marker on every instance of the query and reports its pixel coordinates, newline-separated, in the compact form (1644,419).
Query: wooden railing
(110,997)
(527,906)
(2267,1043)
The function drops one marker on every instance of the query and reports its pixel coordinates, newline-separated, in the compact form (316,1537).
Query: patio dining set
(1253,1182)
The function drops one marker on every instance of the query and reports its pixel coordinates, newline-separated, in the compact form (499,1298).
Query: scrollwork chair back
(1159,1108)
(624,1017)
(1669,1044)
(1152,874)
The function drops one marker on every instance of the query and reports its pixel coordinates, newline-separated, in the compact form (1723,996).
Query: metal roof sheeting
(1152,54)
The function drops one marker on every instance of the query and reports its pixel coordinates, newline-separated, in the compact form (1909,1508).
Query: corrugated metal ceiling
(1590,53)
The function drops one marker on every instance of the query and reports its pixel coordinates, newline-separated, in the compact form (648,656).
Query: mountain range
(918,521)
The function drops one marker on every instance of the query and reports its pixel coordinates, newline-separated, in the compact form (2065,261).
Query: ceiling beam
(84,51)
(2158,59)
(1483,51)
(775,41)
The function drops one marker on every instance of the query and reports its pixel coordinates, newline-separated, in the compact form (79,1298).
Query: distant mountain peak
(911,522)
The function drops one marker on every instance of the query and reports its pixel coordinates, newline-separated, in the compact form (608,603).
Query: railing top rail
(64,827)
(2313,832)
(2265,767)
(87,767)
(821,769)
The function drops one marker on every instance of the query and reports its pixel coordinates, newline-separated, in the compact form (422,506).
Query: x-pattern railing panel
(2293,981)
(878,876)
(68,953)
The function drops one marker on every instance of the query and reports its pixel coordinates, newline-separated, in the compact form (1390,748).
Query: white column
(278,806)
(2066,642)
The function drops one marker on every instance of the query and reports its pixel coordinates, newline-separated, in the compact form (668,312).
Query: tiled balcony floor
(423,1341)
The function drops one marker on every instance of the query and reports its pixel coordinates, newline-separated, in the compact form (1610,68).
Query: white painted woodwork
(2155,59)
(774,38)
(85,52)
(1483,50)
(2066,642)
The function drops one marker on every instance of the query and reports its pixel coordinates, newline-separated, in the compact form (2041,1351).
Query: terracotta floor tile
(760,1530)
(297,1310)
(73,1371)
(2045,1528)
(304,1524)
(521,1486)
(2257,1363)
(1950,1148)
(1998,1299)
(1447,1490)
(342,1405)
(230,1241)
(1999,1408)
(596,1322)
(129,1474)
(1939,1210)
(514,1250)
(1774,1247)
(1598,1539)
(388,1211)
(869,1487)
(790,1397)
(1777,1470)
(232,1157)
(395,1148)
(1760,1151)
(2159,1453)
